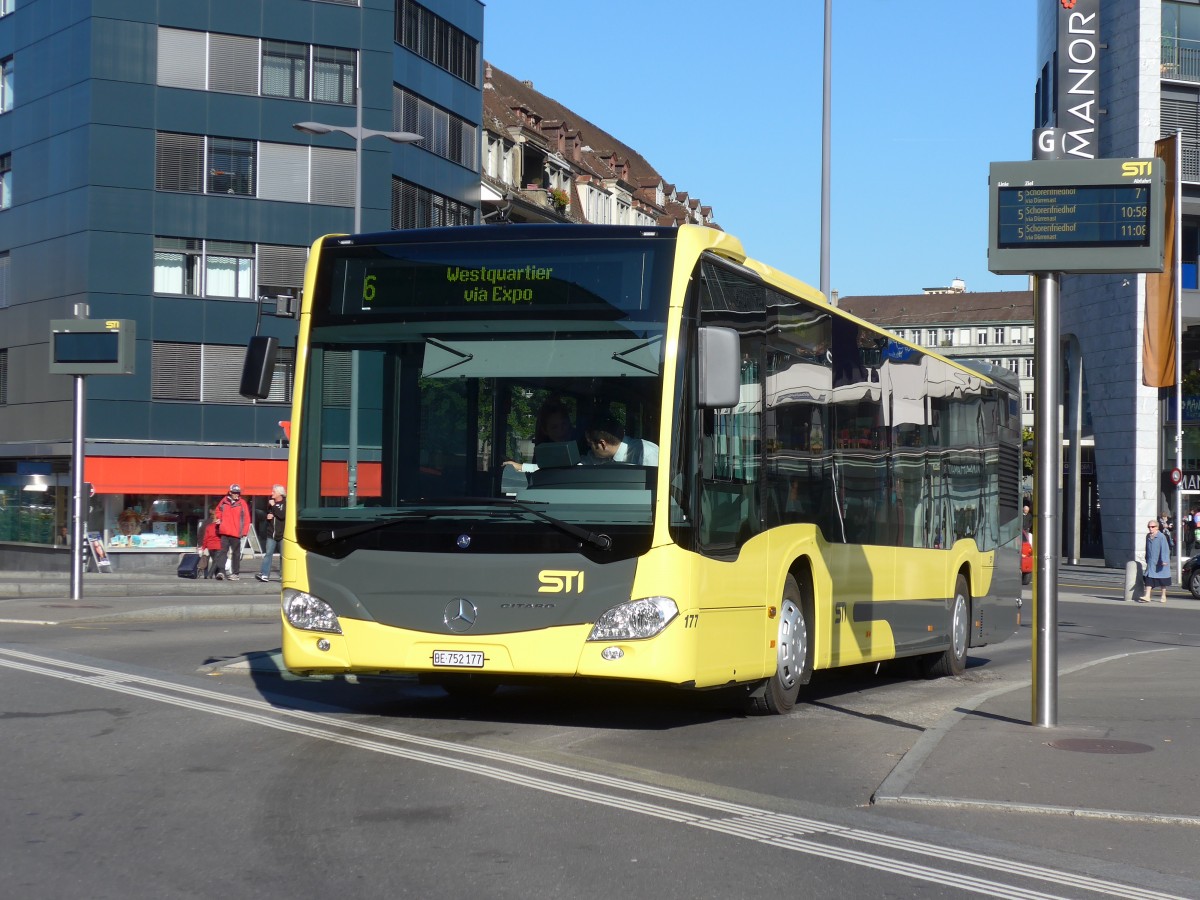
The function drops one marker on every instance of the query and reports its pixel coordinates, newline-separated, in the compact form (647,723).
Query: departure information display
(1075,215)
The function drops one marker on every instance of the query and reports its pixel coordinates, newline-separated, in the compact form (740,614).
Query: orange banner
(1162,291)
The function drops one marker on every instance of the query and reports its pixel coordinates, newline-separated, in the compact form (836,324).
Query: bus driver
(609,445)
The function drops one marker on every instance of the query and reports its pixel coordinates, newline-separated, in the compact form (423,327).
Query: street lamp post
(359,134)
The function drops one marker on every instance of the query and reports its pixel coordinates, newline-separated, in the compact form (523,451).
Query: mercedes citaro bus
(743,483)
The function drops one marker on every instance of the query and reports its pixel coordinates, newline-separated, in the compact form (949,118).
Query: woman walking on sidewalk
(1158,562)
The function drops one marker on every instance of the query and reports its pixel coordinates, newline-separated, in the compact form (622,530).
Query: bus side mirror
(720,367)
(259,367)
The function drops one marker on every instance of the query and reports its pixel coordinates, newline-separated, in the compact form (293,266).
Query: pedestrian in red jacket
(210,545)
(233,523)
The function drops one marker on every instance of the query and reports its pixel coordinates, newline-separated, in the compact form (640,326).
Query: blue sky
(926,93)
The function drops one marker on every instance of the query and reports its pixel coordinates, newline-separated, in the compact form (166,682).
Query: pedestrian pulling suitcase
(189,566)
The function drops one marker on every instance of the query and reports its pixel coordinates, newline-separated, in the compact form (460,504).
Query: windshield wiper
(454,505)
(603,541)
(341,534)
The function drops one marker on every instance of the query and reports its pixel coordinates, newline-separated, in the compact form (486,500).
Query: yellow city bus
(630,454)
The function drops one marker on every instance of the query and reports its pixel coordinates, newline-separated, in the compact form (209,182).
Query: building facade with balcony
(1138,79)
(149,169)
(543,162)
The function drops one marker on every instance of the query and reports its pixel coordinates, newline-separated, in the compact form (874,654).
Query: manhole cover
(1088,745)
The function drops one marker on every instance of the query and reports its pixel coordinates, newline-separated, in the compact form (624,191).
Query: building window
(233,64)
(1029,402)
(1029,339)
(198,60)
(930,337)
(433,38)
(211,373)
(229,270)
(285,70)
(334,76)
(177,266)
(1014,365)
(1029,367)
(947,337)
(981,337)
(1015,335)
(196,268)
(443,133)
(6,84)
(281,270)
(179,162)
(174,371)
(6,6)
(416,207)
(5,180)
(4,264)
(231,166)
(998,334)
(197,164)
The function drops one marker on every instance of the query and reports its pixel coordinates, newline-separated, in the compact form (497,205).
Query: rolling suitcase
(189,566)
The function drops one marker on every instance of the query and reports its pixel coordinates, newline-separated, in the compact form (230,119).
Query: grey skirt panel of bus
(996,613)
(422,591)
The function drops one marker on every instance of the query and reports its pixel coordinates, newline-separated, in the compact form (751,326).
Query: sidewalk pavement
(45,597)
(1123,749)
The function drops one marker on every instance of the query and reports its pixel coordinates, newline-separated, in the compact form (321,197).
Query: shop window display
(153,522)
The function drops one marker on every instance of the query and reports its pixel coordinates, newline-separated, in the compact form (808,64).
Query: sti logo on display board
(92,346)
(1080,216)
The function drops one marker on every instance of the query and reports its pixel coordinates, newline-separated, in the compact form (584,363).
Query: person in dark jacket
(276,509)
(233,524)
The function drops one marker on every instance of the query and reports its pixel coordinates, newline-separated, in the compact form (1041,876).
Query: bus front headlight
(303,610)
(636,619)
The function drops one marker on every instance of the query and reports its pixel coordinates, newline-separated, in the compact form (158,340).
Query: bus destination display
(1076,215)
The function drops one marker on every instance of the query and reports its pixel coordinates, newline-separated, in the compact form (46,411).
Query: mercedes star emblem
(460,615)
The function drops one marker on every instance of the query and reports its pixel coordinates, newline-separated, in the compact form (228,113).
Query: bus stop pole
(1047,442)
(78,503)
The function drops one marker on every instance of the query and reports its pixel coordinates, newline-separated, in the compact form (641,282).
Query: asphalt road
(172,759)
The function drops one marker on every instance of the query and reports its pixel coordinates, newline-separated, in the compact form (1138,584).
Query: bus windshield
(456,381)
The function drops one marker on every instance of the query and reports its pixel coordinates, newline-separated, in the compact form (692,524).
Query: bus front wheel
(953,660)
(793,667)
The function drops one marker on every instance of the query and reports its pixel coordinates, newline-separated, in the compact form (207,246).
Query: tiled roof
(509,103)
(900,310)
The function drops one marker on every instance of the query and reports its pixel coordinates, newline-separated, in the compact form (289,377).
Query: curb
(210,612)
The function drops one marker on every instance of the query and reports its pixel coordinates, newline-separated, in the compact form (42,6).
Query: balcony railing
(1180,59)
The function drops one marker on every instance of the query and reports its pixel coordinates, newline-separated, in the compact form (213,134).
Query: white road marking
(733,819)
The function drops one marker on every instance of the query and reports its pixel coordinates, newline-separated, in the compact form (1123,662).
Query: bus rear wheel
(953,660)
(793,667)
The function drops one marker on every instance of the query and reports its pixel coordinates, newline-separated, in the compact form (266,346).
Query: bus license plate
(469,659)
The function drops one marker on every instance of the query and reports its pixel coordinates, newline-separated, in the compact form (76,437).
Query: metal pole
(78,507)
(1047,441)
(1177,299)
(825,116)
(352,439)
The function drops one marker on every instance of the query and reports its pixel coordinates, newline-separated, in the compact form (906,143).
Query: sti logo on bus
(560,581)
(1135,167)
